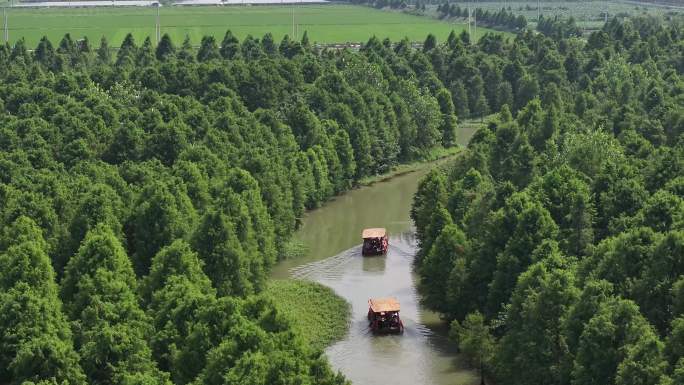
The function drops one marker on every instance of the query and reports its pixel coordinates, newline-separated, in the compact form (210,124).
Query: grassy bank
(434,155)
(316,312)
(335,23)
(466,129)
(294,248)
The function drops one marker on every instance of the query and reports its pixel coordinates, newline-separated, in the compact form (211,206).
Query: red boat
(383,314)
(374,241)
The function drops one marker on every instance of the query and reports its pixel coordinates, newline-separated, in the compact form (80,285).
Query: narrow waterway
(422,355)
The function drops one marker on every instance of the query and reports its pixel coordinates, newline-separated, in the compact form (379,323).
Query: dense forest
(145,193)
(558,27)
(555,244)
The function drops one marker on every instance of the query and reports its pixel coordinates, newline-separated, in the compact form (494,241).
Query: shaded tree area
(558,27)
(554,245)
(502,18)
(146,192)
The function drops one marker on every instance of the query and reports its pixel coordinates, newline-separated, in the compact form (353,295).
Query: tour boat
(383,314)
(374,241)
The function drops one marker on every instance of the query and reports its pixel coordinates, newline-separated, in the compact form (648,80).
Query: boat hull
(385,323)
(375,246)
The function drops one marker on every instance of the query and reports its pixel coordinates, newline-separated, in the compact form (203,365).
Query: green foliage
(100,204)
(678,296)
(475,340)
(499,19)
(618,346)
(163,213)
(24,257)
(172,311)
(593,296)
(174,177)
(293,249)
(558,28)
(447,249)
(175,290)
(530,225)
(226,262)
(586,152)
(567,197)
(513,158)
(448,126)
(569,203)
(35,339)
(98,288)
(431,191)
(177,259)
(675,346)
(534,321)
(315,311)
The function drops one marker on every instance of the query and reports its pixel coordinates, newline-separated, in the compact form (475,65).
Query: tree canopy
(568,203)
(146,192)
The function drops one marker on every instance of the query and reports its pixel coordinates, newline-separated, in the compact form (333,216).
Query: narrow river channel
(422,355)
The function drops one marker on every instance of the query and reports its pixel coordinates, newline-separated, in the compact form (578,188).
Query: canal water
(422,355)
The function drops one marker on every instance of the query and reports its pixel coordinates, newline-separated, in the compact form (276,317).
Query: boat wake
(365,357)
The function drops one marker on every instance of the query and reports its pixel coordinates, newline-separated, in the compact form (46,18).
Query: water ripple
(421,355)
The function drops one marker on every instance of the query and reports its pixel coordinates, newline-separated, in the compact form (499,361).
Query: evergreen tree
(45,53)
(186,51)
(99,293)
(594,294)
(162,214)
(448,126)
(35,340)
(177,259)
(475,340)
(104,56)
(567,197)
(530,225)
(165,48)
(430,43)
(269,45)
(230,46)
(431,191)
(460,99)
(208,50)
(225,261)
(306,44)
(630,351)
(533,348)
(175,291)
(449,246)
(504,95)
(127,51)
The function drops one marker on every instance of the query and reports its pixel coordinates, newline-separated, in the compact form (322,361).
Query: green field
(324,23)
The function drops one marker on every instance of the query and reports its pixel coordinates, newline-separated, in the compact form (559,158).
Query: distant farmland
(588,13)
(324,23)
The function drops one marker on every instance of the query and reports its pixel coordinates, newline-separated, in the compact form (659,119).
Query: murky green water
(422,355)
